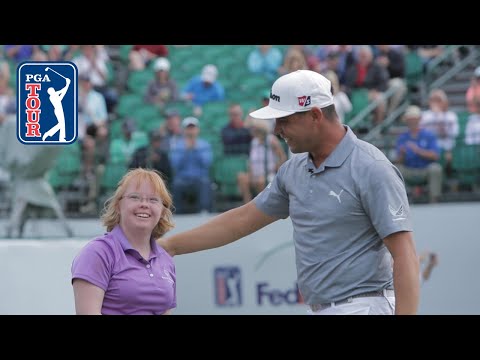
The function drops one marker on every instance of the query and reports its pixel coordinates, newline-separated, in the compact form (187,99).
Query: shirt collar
(339,154)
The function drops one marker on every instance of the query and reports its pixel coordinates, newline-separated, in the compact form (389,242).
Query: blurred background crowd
(183,110)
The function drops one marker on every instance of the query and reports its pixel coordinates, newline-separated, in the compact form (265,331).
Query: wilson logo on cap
(304,100)
(274,97)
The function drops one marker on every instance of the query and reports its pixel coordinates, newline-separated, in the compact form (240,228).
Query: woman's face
(140,207)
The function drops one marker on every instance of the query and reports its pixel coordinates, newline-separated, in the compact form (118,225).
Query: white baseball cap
(161,64)
(297,91)
(188,121)
(209,73)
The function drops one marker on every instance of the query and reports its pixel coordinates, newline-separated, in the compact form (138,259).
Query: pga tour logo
(47,102)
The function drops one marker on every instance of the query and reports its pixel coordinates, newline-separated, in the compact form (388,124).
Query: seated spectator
(95,155)
(122,148)
(394,62)
(92,107)
(19,53)
(418,153)
(154,157)
(265,60)
(171,130)
(266,156)
(365,73)
(472,129)
(140,56)
(342,103)
(294,60)
(473,91)
(204,88)
(162,89)
(236,136)
(93,60)
(191,160)
(7,97)
(443,123)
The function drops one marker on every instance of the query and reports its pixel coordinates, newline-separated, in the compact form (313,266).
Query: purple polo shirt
(133,285)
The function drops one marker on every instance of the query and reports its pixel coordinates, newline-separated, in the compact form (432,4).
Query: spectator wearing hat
(191,159)
(162,89)
(418,154)
(204,88)
(473,92)
(152,156)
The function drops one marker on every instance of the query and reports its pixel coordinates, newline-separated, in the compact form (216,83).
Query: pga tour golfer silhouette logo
(47,102)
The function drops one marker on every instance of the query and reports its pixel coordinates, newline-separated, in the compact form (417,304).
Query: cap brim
(268,112)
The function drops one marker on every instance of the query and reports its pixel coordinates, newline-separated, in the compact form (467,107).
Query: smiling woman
(124,271)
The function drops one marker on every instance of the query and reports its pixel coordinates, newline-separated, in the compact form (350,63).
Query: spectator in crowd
(93,60)
(293,60)
(418,153)
(191,160)
(443,123)
(92,107)
(141,56)
(154,157)
(472,129)
(342,103)
(266,156)
(95,154)
(366,73)
(204,88)
(236,137)
(394,62)
(265,60)
(7,97)
(19,53)
(171,130)
(122,148)
(162,89)
(472,95)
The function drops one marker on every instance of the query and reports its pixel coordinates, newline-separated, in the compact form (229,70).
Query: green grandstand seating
(462,123)
(413,69)
(124,51)
(359,100)
(114,171)
(225,170)
(138,81)
(67,167)
(127,102)
(466,163)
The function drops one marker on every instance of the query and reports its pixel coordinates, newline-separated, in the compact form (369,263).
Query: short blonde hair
(111,214)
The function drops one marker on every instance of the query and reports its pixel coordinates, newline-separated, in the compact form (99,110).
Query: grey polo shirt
(340,213)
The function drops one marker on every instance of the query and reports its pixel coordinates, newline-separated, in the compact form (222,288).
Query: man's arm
(405,272)
(221,230)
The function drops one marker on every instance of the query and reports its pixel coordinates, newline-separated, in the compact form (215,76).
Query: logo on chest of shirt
(167,276)
(334,194)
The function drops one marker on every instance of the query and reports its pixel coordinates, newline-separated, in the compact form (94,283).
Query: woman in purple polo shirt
(125,271)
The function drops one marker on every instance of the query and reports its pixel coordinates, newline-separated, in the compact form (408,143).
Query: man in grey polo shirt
(346,201)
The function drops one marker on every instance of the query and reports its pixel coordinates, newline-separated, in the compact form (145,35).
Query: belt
(385,292)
